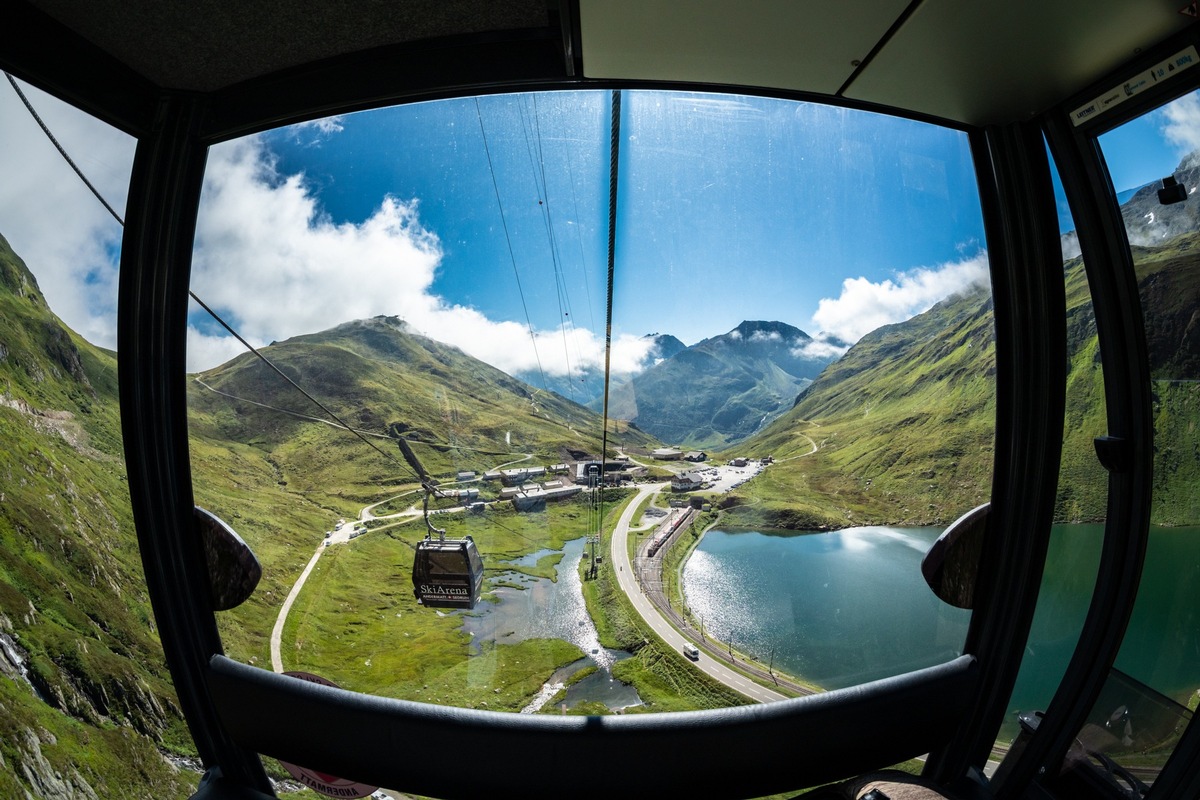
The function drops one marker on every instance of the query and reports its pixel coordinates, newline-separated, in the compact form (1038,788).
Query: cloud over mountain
(66,236)
(270,258)
(864,305)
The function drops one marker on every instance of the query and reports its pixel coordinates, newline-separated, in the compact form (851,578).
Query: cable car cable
(285,376)
(311,418)
(614,149)
(62,151)
(560,284)
(340,423)
(537,167)
(579,240)
(508,239)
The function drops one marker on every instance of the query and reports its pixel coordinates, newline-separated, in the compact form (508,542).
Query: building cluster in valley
(530,487)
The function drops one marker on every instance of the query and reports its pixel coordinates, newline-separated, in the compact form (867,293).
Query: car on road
(691,651)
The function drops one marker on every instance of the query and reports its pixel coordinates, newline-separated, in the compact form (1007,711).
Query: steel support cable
(579,239)
(508,239)
(62,151)
(234,333)
(614,150)
(537,165)
(292,383)
(556,253)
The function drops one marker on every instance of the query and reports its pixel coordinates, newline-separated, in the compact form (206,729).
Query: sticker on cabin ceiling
(323,782)
(1188,57)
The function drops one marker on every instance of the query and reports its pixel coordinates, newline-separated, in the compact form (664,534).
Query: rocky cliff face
(86,704)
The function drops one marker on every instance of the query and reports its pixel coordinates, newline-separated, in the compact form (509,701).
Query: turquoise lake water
(850,606)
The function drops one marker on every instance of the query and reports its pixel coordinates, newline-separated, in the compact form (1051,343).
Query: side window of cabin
(84,682)
(798,383)
(1072,559)
(1152,692)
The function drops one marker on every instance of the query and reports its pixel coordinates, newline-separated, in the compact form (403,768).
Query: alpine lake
(849,606)
(845,607)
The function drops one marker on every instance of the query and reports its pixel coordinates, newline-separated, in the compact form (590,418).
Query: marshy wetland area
(546,636)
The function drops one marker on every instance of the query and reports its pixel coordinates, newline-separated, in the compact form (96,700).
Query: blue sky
(730,208)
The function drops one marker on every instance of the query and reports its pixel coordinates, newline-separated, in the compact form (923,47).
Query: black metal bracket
(1115,453)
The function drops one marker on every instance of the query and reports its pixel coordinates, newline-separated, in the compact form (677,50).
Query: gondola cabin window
(794,397)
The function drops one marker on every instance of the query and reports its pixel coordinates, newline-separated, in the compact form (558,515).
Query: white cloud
(209,350)
(269,261)
(267,258)
(766,336)
(1181,125)
(324,125)
(1070,245)
(65,236)
(864,306)
(820,347)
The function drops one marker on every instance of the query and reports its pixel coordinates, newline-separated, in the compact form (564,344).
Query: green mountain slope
(1169,286)
(897,430)
(900,430)
(586,385)
(264,460)
(90,704)
(376,373)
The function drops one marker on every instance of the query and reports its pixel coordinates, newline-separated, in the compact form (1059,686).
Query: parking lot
(723,477)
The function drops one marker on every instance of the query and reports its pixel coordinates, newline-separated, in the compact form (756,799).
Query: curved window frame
(1127,450)
(221,699)
(224,702)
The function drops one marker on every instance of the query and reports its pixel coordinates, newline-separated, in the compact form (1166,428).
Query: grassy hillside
(374,373)
(898,430)
(281,477)
(72,602)
(1169,286)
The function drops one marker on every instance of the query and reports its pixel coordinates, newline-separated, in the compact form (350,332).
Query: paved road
(620,557)
(340,536)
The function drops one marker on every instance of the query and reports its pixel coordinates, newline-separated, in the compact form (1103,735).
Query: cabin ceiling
(970,62)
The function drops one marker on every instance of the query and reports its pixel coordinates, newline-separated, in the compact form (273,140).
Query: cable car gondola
(447,573)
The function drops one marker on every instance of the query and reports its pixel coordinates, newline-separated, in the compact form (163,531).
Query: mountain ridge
(721,389)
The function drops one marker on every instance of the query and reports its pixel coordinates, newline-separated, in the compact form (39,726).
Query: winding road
(339,536)
(649,614)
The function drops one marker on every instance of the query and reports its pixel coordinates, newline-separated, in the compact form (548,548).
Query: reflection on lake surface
(546,609)
(835,608)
